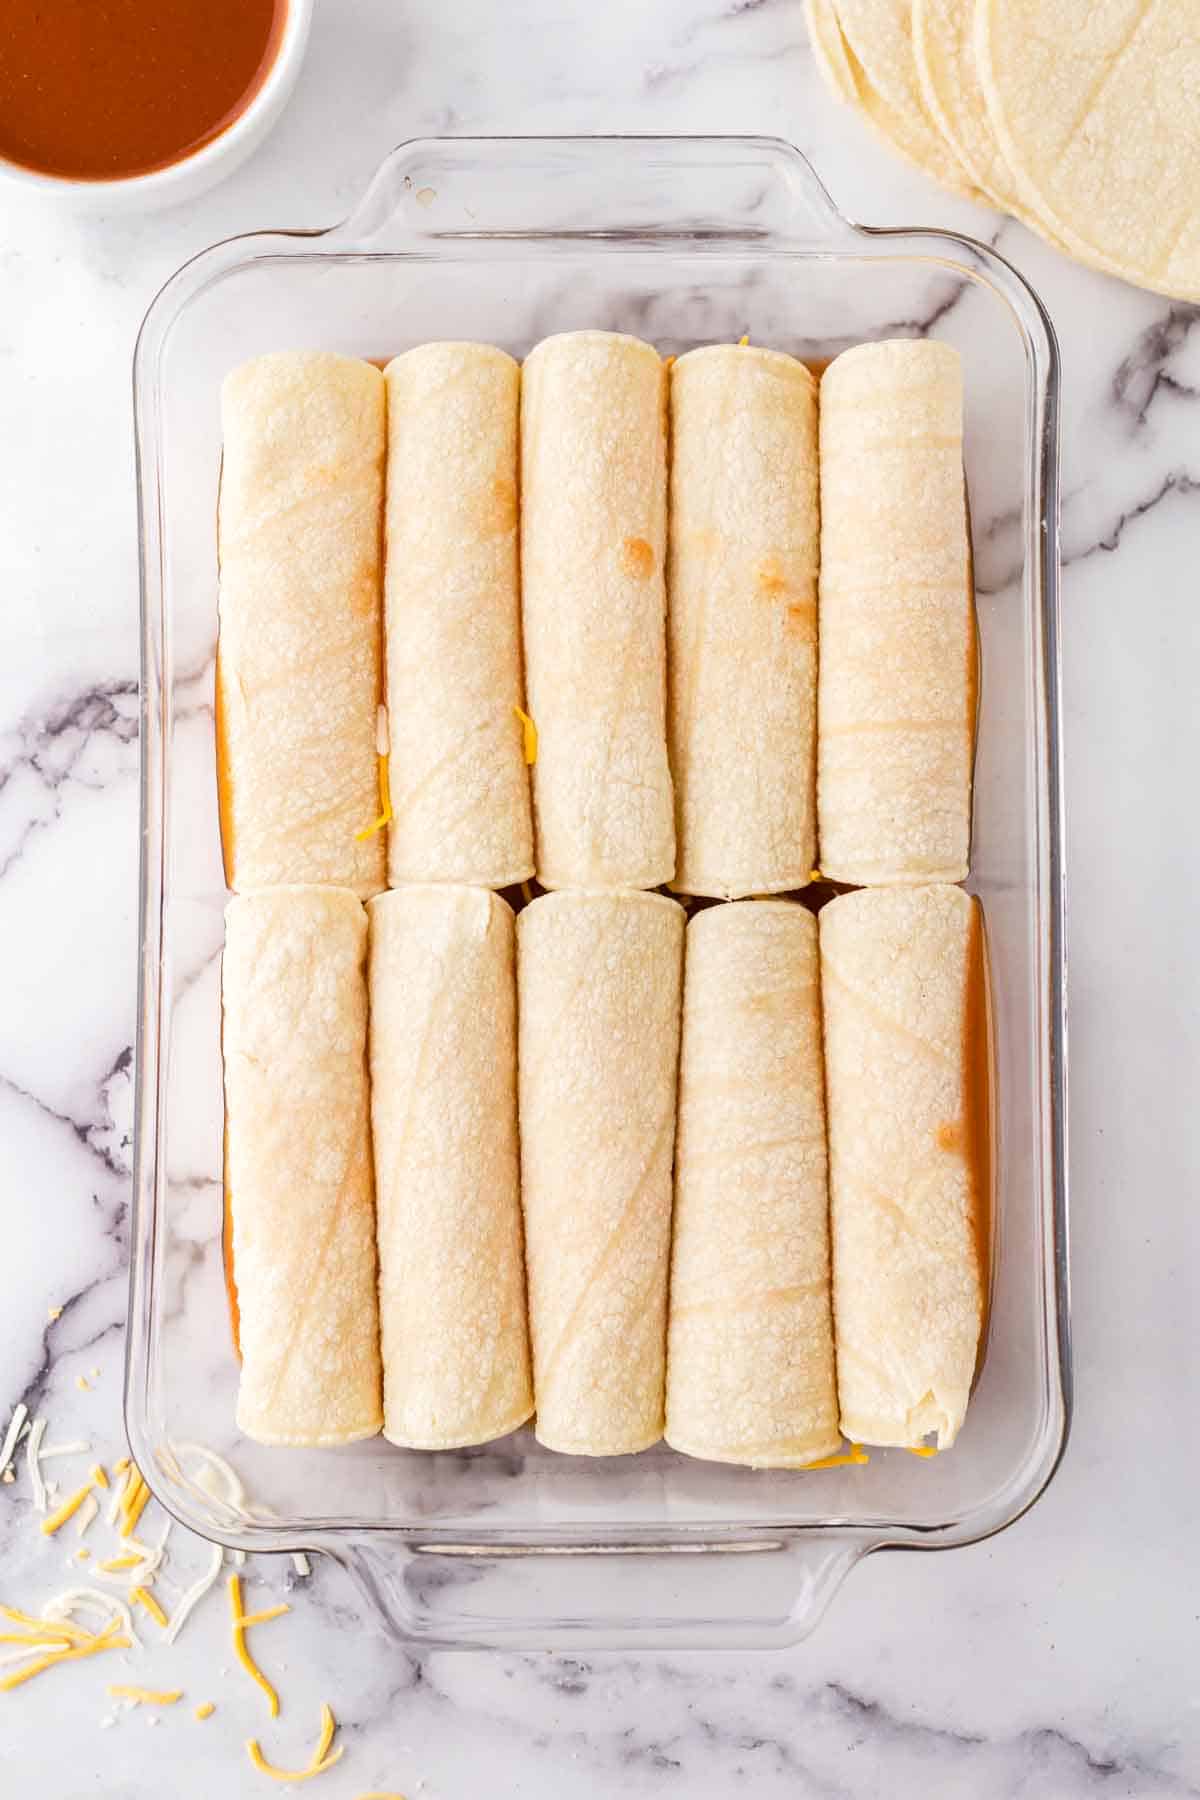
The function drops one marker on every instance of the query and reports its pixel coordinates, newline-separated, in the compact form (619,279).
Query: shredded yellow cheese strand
(265,1617)
(61,1627)
(143,1598)
(328,1727)
(37,1640)
(855,1455)
(921,1449)
(147,1696)
(98,1476)
(115,1564)
(240,1647)
(56,1520)
(529,736)
(743,340)
(136,1508)
(95,1644)
(121,1466)
(385,805)
(321,1759)
(205,1710)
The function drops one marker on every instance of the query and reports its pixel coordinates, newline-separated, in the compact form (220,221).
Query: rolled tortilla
(459,785)
(750,1376)
(298,665)
(298,1165)
(906,1068)
(593,530)
(444,1111)
(598,986)
(742,620)
(897,686)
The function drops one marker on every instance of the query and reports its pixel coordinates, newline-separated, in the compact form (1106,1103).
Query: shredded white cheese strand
(77,1449)
(193,1595)
(16,1426)
(33,1451)
(86,1514)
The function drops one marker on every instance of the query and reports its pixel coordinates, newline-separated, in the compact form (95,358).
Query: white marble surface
(1057,1661)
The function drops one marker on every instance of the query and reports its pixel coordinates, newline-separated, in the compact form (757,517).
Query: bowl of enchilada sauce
(107,100)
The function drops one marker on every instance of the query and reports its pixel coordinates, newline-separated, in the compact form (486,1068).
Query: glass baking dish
(682,241)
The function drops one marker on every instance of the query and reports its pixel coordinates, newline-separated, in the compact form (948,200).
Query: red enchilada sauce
(98,89)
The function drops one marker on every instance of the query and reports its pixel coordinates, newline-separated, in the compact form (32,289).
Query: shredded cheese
(193,1595)
(57,1640)
(205,1710)
(75,1448)
(59,1610)
(16,1426)
(98,1475)
(742,342)
(265,1617)
(321,1758)
(385,804)
(143,1598)
(136,1508)
(86,1514)
(73,1654)
(921,1449)
(58,1518)
(301,1563)
(241,1650)
(856,1455)
(529,736)
(115,1564)
(37,1486)
(147,1696)
(54,1312)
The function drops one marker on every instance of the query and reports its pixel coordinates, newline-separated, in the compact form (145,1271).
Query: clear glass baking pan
(683,241)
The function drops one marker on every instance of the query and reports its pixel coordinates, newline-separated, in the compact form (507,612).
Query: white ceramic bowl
(184,179)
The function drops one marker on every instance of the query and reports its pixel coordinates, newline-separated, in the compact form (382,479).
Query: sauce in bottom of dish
(99,89)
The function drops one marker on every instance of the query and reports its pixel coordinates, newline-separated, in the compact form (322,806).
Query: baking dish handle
(760,192)
(756,1592)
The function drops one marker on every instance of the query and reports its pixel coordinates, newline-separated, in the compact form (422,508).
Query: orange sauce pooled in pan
(99,89)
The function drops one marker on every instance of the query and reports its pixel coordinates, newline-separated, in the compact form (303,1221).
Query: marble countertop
(1056,1661)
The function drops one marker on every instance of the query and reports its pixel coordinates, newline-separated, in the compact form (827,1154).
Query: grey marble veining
(1056,1662)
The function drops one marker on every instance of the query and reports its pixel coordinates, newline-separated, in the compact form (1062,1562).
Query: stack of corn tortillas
(1082,118)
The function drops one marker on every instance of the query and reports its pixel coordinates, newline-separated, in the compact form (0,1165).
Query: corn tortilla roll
(897,685)
(459,785)
(598,989)
(742,620)
(750,1376)
(593,534)
(298,665)
(444,1111)
(906,1060)
(298,1165)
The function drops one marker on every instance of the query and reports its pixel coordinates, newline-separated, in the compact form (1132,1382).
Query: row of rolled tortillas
(666,618)
(1080,119)
(677,1256)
